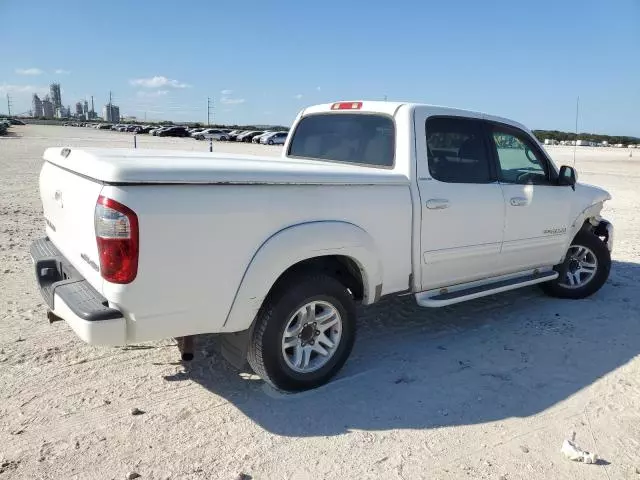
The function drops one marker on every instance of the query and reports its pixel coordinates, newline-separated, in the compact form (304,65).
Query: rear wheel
(304,332)
(585,269)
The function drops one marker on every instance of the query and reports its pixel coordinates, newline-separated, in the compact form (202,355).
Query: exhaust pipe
(52,317)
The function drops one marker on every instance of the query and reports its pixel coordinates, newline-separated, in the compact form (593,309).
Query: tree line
(541,135)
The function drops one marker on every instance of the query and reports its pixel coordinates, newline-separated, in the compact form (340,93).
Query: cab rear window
(359,138)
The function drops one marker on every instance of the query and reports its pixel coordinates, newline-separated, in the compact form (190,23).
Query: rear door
(462,206)
(69,203)
(537,208)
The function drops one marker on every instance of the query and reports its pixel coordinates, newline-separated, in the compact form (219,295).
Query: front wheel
(304,332)
(585,269)
(270,142)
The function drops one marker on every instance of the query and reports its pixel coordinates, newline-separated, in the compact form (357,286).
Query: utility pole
(9,104)
(110,109)
(209,110)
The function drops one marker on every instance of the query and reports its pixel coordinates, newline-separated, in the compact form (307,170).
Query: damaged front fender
(603,229)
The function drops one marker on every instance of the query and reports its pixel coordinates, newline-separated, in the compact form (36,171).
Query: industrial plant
(50,107)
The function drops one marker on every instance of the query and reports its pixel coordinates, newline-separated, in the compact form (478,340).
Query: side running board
(468,291)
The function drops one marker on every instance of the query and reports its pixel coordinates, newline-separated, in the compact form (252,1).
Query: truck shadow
(505,356)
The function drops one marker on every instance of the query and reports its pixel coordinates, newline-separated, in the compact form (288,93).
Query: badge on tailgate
(93,264)
(58,198)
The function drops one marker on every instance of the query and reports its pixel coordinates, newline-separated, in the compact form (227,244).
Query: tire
(597,249)
(267,355)
(270,142)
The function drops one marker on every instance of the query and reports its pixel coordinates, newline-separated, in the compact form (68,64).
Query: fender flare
(292,245)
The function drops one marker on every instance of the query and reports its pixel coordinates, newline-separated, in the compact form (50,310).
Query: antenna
(575,145)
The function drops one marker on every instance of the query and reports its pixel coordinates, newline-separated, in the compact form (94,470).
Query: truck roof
(391,108)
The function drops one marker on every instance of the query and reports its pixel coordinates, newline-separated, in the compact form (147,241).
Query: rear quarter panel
(196,242)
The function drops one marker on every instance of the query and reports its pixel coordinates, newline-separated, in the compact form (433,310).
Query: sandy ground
(487,389)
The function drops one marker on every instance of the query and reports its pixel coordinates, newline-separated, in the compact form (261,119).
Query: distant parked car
(15,121)
(104,126)
(157,130)
(197,132)
(234,134)
(257,138)
(274,138)
(146,128)
(211,133)
(173,132)
(248,136)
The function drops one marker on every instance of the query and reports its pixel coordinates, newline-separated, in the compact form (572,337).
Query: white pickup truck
(368,199)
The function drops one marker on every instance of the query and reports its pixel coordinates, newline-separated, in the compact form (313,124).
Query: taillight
(118,240)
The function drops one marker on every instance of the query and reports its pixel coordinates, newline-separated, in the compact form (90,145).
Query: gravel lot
(487,389)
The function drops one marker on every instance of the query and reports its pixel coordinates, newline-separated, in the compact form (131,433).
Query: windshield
(359,138)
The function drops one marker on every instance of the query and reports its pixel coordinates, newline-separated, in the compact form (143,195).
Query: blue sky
(262,62)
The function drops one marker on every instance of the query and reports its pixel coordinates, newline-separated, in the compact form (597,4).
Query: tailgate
(69,202)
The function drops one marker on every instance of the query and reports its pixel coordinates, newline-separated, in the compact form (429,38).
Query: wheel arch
(588,218)
(336,247)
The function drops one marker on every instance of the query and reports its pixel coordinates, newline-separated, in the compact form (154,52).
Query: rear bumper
(72,298)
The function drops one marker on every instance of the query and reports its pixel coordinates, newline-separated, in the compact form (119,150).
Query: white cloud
(7,88)
(157,82)
(62,71)
(298,96)
(231,101)
(226,92)
(29,71)
(157,93)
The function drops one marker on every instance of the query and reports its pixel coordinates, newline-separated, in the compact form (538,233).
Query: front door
(462,206)
(537,209)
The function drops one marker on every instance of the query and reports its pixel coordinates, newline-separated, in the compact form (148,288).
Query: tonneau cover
(140,166)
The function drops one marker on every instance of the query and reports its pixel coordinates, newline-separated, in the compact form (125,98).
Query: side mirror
(567,176)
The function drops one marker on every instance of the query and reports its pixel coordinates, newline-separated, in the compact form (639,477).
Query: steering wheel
(531,156)
(524,178)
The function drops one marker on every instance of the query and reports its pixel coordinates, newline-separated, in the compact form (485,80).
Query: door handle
(437,203)
(519,201)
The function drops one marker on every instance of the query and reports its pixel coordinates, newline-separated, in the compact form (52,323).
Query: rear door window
(457,150)
(359,138)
